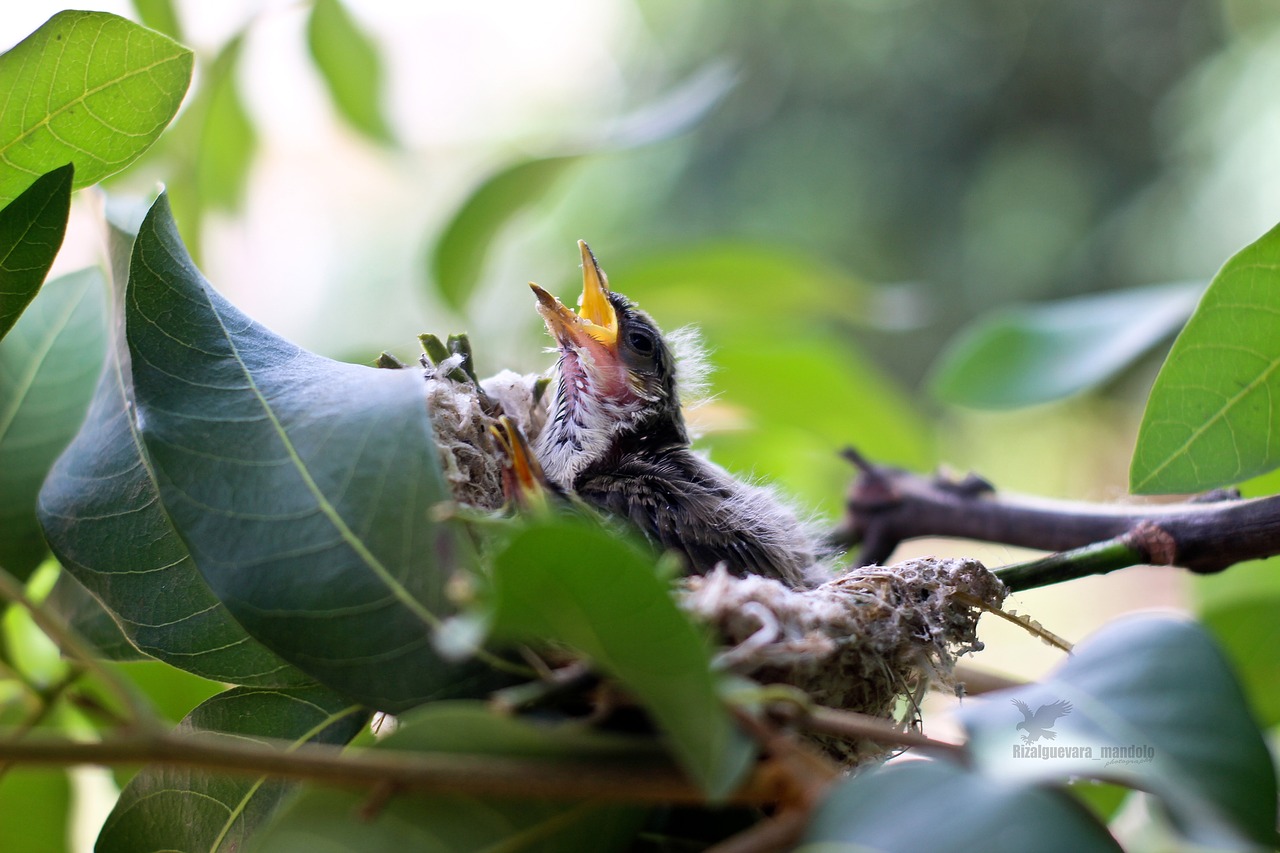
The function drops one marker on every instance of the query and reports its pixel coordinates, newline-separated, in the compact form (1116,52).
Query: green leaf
(351,66)
(1249,631)
(573,582)
(159,15)
(48,364)
(323,819)
(35,810)
(94,89)
(303,487)
(227,141)
(181,808)
(1158,690)
(1022,356)
(25,647)
(31,230)
(101,513)
(459,254)
(1212,413)
(77,607)
(940,807)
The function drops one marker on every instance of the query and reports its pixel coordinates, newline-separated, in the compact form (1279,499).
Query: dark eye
(641,343)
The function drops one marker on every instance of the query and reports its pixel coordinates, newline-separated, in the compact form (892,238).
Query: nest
(862,641)
(462,416)
(859,642)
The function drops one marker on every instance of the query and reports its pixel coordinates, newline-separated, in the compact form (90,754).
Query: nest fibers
(858,642)
(861,641)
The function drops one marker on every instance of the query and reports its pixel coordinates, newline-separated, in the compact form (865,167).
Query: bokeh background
(833,190)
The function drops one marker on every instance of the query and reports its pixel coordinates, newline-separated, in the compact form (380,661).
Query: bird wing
(679,505)
(1025,709)
(1047,714)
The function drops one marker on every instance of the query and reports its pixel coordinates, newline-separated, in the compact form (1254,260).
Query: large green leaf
(101,512)
(1154,706)
(77,607)
(1027,355)
(328,820)
(571,581)
(183,808)
(459,254)
(349,62)
(1213,411)
(303,487)
(31,230)
(48,364)
(944,808)
(90,88)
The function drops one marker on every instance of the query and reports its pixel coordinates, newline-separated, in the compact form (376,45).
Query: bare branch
(886,507)
(427,772)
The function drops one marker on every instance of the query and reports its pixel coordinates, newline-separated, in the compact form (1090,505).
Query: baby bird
(616,437)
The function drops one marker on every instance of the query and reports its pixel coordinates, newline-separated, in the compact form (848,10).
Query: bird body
(616,437)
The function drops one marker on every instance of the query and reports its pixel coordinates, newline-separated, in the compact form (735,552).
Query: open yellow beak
(522,479)
(594,308)
(596,320)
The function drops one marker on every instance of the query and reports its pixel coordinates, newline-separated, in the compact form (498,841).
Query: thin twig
(978,681)
(426,772)
(855,726)
(47,699)
(72,647)
(1096,559)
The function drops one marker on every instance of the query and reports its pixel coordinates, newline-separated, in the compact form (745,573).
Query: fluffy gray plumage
(615,435)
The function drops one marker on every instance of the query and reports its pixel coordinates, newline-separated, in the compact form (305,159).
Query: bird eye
(641,343)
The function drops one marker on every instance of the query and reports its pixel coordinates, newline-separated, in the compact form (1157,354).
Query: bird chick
(615,435)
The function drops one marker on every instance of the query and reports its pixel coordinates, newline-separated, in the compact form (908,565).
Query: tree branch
(426,772)
(887,506)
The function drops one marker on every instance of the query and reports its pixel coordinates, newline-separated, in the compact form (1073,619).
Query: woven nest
(862,642)
(471,461)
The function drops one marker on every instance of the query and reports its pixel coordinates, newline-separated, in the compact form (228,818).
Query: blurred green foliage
(829,188)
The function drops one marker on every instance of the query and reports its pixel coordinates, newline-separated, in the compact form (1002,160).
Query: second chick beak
(522,479)
(596,320)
